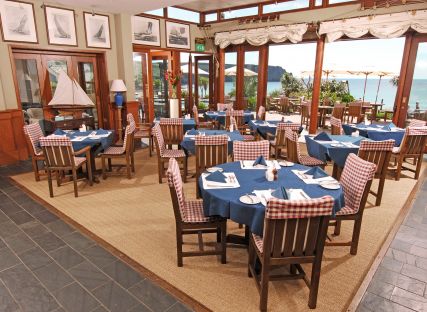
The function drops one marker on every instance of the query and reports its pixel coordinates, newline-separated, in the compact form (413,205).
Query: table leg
(238,239)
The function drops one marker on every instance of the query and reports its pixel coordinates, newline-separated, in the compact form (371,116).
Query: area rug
(136,217)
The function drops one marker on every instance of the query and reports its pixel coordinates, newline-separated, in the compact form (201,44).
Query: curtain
(381,26)
(260,36)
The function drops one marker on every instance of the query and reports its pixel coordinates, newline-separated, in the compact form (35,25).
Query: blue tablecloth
(226,203)
(104,142)
(376,133)
(261,127)
(188,143)
(326,152)
(188,123)
(220,116)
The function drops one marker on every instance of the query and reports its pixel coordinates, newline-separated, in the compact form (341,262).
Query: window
(285,6)
(318,3)
(212,17)
(239,13)
(158,12)
(184,15)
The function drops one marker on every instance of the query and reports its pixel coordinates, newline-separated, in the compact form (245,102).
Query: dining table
(220,116)
(189,141)
(188,123)
(263,127)
(376,132)
(226,202)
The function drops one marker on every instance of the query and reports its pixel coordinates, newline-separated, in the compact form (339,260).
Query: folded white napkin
(308,179)
(263,195)
(232,182)
(78,138)
(297,194)
(249,164)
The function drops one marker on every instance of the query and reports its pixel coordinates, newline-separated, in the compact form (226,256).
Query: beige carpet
(136,217)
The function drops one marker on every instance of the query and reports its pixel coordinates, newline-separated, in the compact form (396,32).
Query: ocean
(387,91)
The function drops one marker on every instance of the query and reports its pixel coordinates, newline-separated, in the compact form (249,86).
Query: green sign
(200,47)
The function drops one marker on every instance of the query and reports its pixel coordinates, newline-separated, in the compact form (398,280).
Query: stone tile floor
(399,283)
(47,265)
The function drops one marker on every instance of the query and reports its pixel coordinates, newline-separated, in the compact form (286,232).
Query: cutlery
(243,164)
(303,195)
(250,198)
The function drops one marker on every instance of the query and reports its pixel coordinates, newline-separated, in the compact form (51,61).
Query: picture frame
(178,35)
(97,30)
(60,26)
(146,30)
(18,23)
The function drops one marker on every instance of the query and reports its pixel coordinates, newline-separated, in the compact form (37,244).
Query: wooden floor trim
(180,295)
(381,254)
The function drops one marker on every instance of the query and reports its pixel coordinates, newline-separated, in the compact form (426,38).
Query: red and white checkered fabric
(259,242)
(193,210)
(233,122)
(416,131)
(168,153)
(302,159)
(131,122)
(337,123)
(128,131)
(298,209)
(211,140)
(55,140)
(221,106)
(114,150)
(175,181)
(355,175)
(235,113)
(250,150)
(157,132)
(248,137)
(261,112)
(34,132)
(346,211)
(171,121)
(417,123)
(79,160)
(366,145)
(282,126)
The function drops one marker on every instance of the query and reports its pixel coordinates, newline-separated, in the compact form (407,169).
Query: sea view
(387,91)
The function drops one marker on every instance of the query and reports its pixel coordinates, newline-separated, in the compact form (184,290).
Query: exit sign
(200,44)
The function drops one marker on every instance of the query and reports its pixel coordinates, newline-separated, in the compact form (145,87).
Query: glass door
(250,81)
(203,81)
(230,81)
(141,86)
(160,65)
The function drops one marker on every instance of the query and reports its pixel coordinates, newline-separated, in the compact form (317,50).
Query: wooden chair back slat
(292,150)
(338,111)
(59,156)
(313,229)
(209,155)
(173,130)
(354,111)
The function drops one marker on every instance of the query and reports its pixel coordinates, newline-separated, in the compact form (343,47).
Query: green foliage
(203,105)
(203,85)
(395,81)
(291,85)
(250,91)
(274,93)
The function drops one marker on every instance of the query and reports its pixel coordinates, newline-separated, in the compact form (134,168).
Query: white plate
(249,199)
(286,163)
(336,145)
(213,169)
(330,186)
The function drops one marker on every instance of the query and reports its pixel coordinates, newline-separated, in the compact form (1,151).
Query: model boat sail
(69,94)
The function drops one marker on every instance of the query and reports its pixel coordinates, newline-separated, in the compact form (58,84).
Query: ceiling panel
(210,5)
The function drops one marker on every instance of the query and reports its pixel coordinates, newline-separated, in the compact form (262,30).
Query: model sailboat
(69,96)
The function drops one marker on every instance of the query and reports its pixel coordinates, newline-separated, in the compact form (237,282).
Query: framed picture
(18,21)
(146,30)
(178,35)
(97,28)
(60,26)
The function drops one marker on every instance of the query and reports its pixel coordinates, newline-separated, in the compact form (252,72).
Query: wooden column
(190,83)
(176,68)
(220,79)
(262,76)
(317,81)
(240,77)
(401,101)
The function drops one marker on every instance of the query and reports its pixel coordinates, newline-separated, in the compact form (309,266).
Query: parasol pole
(364,88)
(378,88)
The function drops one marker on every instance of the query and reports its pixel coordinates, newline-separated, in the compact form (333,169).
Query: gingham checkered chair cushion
(235,113)
(168,153)
(279,209)
(34,133)
(79,160)
(302,159)
(250,150)
(261,112)
(192,210)
(248,137)
(131,122)
(157,132)
(282,126)
(114,150)
(417,123)
(211,140)
(355,175)
(366,145)
(233,122)
(337,123)
(128,131)
(222,106)
(171,121)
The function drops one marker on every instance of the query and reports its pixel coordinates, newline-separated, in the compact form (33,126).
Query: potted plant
(173,80)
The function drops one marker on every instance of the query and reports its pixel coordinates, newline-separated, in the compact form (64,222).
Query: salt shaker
(269,175)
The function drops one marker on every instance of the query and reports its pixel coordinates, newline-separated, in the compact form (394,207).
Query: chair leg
(36,169)
(110,167)
(49,181)
(185,170)
(160,167)
(104,175)
(418,168)
(89,170)
(337,229)
(76,194)
(133,162)
(314,284)
(380,191)
(356,233)
(224,242)
(251,257)
(58,178)
(265,275)
(399,168)
(179,245)
(128,167)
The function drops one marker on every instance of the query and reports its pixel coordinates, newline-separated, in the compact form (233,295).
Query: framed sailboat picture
(18,21)
(178,35)
(97,28)
(61,26)
(146,30)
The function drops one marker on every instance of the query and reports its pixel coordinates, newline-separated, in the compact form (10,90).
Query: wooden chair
(284,105)
(172,130)
(237,119)
(164,154)
(190,219)
(33,134)
(201,124)
(224,106)
(417,123)
(294,233)
(338,111)
(305,113)
(412,147)
(60,157)
(250,150)
(355,112)
(379,153)
(356,180)
(293,151)
(278,141)
(142,131)
(210,151)
(261,113)
(124,152)
(336,126)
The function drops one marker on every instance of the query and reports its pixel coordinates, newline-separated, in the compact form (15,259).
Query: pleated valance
(260,36)
(381,26)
